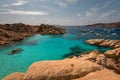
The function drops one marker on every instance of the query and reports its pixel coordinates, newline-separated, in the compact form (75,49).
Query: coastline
(18,31)
(60,40)
(106,25)
(75,68)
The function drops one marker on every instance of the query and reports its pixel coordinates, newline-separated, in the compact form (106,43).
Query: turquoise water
(39,47)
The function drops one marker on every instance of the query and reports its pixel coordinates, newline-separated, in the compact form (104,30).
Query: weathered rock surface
(111,58)
(92,66)
(104,43)
(15,76)
(115,53)
(60,70)
(103,60)
(104,74)
(14,32)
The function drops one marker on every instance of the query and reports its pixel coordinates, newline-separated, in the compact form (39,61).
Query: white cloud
(105,15)
(62,4)
(92,11)
(95,14)
(71,1)
(5,5)
(78,14)
(48,8)
(107,3)
(21,12)
(18,3)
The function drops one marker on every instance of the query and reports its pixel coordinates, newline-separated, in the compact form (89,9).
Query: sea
(52,47)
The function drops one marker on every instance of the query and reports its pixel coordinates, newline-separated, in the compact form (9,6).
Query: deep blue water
(51,47)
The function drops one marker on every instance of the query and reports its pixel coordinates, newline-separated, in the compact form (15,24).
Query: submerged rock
(15,51)
(74,51)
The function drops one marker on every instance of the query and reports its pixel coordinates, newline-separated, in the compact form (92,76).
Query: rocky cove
(60,40)
(93,65)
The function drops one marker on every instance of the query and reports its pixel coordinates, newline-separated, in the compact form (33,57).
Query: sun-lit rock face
(85,67)
(105,43)
(115,53)
(111,58)
(104,60)
(92,66)
(18,31)
(15,76)
(104,74)
(60,70)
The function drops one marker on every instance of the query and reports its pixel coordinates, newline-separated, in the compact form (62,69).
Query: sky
(59,12)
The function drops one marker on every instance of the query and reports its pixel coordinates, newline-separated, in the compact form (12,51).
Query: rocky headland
(18,31)
(92,66)
(104,43)
(112,25)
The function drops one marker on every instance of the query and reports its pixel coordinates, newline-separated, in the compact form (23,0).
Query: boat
(114,34)
(15,51)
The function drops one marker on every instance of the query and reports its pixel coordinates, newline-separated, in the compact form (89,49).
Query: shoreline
(106,25)
(74,68)
(18,31)
(97,63)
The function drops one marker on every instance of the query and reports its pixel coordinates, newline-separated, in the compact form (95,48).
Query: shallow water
(49,47)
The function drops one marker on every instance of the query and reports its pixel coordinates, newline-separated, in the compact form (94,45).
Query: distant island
(18,31)
(110,25)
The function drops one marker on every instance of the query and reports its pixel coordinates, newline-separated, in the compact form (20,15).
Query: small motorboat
(15,51)
(114,34)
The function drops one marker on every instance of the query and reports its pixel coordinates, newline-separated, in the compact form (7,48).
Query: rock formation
(104,43)
(111,58)
(60,70)
(92,66)
(15,76)
(103,74)
(105,61)
(113,53)
(17,31)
